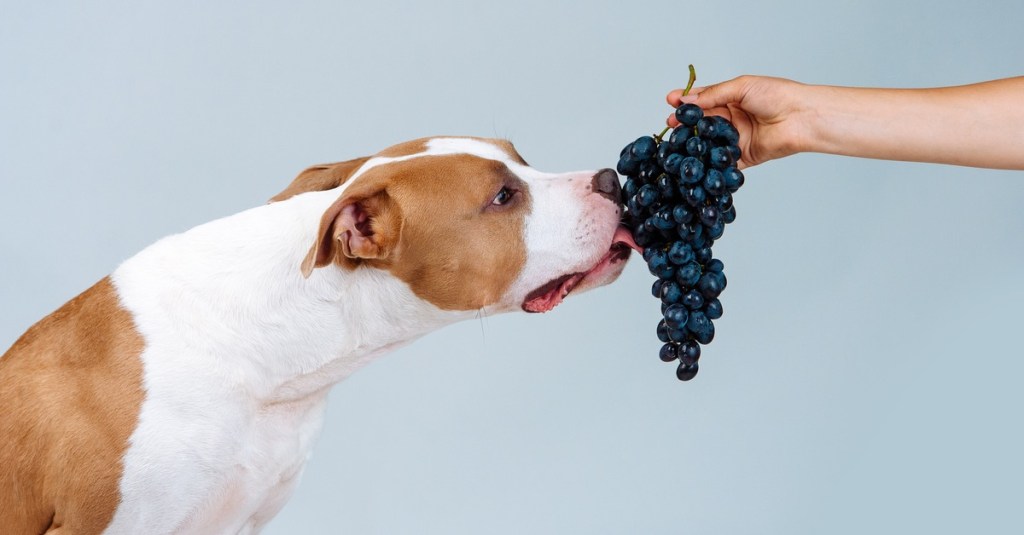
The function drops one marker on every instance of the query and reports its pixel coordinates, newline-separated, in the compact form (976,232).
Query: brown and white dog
(183,393)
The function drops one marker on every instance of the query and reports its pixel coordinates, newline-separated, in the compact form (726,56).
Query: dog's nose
(606,183)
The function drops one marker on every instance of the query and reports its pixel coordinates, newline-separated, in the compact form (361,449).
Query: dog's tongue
(551,294)
(624,236)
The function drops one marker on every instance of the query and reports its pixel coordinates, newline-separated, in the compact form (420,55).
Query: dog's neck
(235,284)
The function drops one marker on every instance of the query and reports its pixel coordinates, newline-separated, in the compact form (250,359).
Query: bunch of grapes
(679,197)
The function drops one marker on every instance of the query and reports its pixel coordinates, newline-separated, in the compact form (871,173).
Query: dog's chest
(267,466)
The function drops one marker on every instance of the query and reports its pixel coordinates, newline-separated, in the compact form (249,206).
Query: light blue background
(866,377)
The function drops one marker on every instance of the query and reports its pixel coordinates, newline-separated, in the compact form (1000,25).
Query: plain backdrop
(866,376)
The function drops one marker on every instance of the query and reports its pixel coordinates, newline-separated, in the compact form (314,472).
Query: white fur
(241,350)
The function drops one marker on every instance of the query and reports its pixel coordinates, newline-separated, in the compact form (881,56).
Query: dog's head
(467,224)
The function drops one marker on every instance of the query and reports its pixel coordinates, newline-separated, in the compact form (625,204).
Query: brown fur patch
(70,394)
(320,178)
(455,249)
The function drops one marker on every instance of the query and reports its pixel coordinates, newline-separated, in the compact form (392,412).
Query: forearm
(979,125)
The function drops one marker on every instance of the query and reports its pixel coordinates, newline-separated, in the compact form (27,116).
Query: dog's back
(69,399)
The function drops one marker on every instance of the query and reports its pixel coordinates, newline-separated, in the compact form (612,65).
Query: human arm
(979,125)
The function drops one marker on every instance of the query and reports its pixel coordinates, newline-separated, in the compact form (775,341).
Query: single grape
(729,215)
(689,114)
(677,317)
(680,253)
(713,309)
(685,372)
(688,274)
(646,195)
(662,331)
(688,351)
(715,265)
(682,214)
(691,171)
(696,147)
(680,137)
(671,293)
(702,328)
(644,148)
(720,158)
(668,352)
(693,300)
(695,196)
(714,182)
(656,287)
(733,179)
(672,164)
(711,284)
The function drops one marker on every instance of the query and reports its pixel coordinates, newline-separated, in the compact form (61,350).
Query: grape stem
(689,86)
(693,78)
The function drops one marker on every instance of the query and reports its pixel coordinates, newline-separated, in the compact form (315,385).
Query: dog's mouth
(552,293)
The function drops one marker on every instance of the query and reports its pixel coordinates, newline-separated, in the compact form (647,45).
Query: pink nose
(606,183)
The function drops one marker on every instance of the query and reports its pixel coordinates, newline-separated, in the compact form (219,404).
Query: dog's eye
(503,197)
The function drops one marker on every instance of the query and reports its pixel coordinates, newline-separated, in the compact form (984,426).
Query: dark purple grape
(677,335)
(693,300)
(646,195)
(685,372)
(679,137)
(673,163)
(642,237)
(702,255)
(677,317)
(682,214)
(708,215)
(629,188)
(667,188)
(715,265)
(668,352)
(689,114)
(656,287)
(713,309)
(663,331)
(702,328)
(649,172)
(711,284)
(691,171)
(695,196)
(688,351)
(696,147)
(644,148)
(729,215)
(715,230)
(628,165)
(663,219)
(725,132)
(671,293)
(724,201)
(714,182)
(688,274)
(706,128)
(720,158)
(733,179)
(679,253)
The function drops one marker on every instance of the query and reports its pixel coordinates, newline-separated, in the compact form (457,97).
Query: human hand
(769,113)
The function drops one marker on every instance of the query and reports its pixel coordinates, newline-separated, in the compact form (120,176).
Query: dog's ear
(320,178)
(357,227)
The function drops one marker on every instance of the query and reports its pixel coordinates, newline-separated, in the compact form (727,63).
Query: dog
(183,393)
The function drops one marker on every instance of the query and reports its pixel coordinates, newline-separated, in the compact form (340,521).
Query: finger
(675,96)
(672,121)
(718,95)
